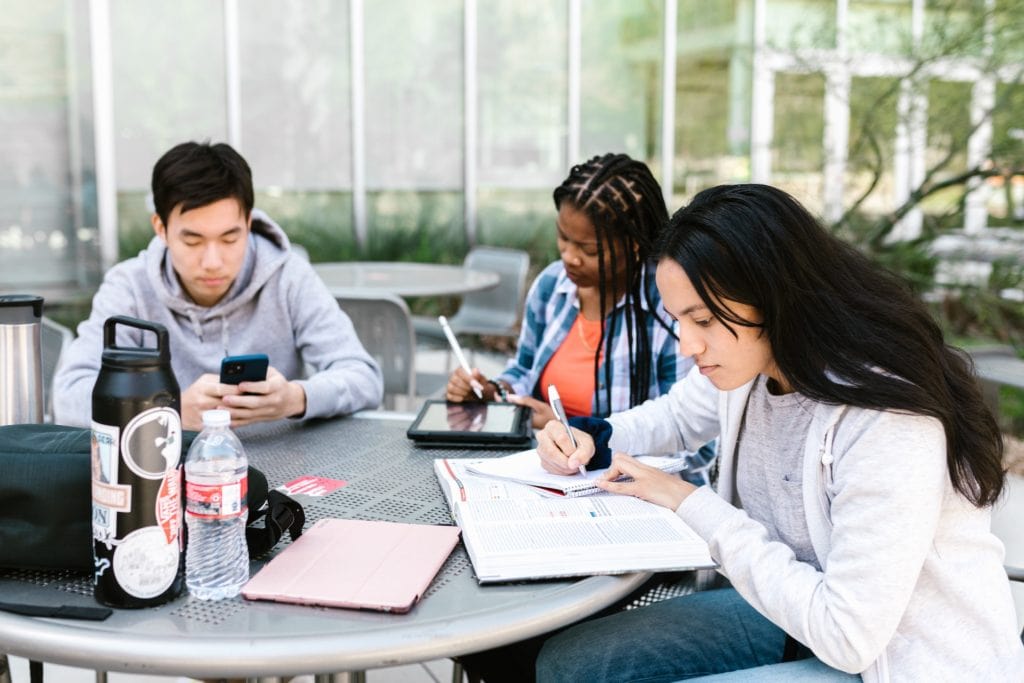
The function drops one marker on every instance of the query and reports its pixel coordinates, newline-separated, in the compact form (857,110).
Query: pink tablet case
(356,564)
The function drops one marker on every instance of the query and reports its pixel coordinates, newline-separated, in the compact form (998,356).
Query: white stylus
(454,343)
(556,405)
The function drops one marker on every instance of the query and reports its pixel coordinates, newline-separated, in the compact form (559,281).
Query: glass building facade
(413,124)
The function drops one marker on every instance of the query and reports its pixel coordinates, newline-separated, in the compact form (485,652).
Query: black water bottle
(138,547)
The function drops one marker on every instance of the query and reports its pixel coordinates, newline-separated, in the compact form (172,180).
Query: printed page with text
(512,535)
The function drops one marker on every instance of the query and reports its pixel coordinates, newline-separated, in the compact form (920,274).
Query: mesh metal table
(388,479)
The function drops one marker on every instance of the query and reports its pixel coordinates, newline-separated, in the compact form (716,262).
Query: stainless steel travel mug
(21,365)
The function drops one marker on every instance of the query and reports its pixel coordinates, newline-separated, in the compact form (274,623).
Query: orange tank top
(571,368)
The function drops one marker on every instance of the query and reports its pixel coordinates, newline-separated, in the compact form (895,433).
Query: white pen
(454,343)
(556,405)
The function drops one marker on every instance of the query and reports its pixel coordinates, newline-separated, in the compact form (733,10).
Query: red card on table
(312,486)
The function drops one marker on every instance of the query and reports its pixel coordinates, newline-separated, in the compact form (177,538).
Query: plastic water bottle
(216,469)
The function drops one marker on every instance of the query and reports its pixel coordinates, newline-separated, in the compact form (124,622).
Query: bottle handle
(110,333)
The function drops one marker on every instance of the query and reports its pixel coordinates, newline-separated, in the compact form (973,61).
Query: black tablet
(496,425)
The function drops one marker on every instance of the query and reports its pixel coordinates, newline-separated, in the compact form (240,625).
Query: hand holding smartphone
(248,368)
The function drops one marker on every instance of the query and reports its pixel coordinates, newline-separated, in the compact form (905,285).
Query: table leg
(101,677)
(343,677)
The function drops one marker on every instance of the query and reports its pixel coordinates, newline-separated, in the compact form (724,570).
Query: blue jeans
(705,633)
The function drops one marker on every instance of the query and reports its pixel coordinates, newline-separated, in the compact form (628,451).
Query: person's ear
(158,227)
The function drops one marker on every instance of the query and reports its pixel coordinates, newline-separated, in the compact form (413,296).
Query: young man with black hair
(221,277)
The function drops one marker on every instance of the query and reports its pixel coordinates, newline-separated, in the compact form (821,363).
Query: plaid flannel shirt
(550,311)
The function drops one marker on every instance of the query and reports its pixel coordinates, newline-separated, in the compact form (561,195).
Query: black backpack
(46,500)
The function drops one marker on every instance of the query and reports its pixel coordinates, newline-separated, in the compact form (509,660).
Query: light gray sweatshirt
(277,306)
(912,586)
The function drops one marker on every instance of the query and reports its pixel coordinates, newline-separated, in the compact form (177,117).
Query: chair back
(384,326)
(494,311)
(53,339)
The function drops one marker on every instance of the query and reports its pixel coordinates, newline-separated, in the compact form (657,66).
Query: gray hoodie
(911,586)
(277,306)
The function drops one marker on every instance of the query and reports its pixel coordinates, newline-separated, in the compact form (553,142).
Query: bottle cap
(216,418)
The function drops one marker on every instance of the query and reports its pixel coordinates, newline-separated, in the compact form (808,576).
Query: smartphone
(249,368)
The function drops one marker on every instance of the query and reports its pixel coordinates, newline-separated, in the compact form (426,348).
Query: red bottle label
(168,505)
(216,501)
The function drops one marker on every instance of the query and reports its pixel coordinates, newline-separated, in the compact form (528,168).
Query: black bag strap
(282,513)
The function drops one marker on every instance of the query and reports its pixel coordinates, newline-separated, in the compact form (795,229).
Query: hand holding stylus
(478,388)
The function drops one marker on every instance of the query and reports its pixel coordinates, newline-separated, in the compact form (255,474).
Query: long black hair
(842,329)
(624,202)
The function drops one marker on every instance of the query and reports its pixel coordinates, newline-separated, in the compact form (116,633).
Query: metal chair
(1016,574)
(997,366)
(493,312)
(54,338)
(384,326)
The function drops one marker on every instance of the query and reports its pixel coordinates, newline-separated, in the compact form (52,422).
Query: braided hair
(624,203)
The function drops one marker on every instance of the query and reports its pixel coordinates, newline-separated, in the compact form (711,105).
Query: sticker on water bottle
(145,565)
(216,501)
(108,496)
(152,442)
(168,505)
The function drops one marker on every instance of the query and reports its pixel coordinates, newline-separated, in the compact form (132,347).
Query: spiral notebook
(524,468)
(357,564)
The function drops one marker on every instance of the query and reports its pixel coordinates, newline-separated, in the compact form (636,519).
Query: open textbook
(524,468)
(459,483)
(512,532)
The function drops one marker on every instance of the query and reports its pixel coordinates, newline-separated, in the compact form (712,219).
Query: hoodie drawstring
(197,328)
(225,334)
(225,331)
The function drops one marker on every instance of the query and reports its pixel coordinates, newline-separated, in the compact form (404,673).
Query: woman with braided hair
(593,323)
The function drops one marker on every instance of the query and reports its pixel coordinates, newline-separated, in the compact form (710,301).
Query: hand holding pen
(559,410)
(555,450)
(478,388)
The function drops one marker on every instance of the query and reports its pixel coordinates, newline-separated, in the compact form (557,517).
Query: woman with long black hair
(858,467)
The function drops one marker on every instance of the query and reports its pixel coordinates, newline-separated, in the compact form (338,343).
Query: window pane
(521,219)
(47,200)
(954,28)
(522,93)
(949,126)
(1006,201)
(296,124)
(879,26)
(620,73)
(797,153)
(168,63)
(414,95)
(713,80)
(794,24)
(872,143)
(415,226)
(1008,30)
(318,220)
